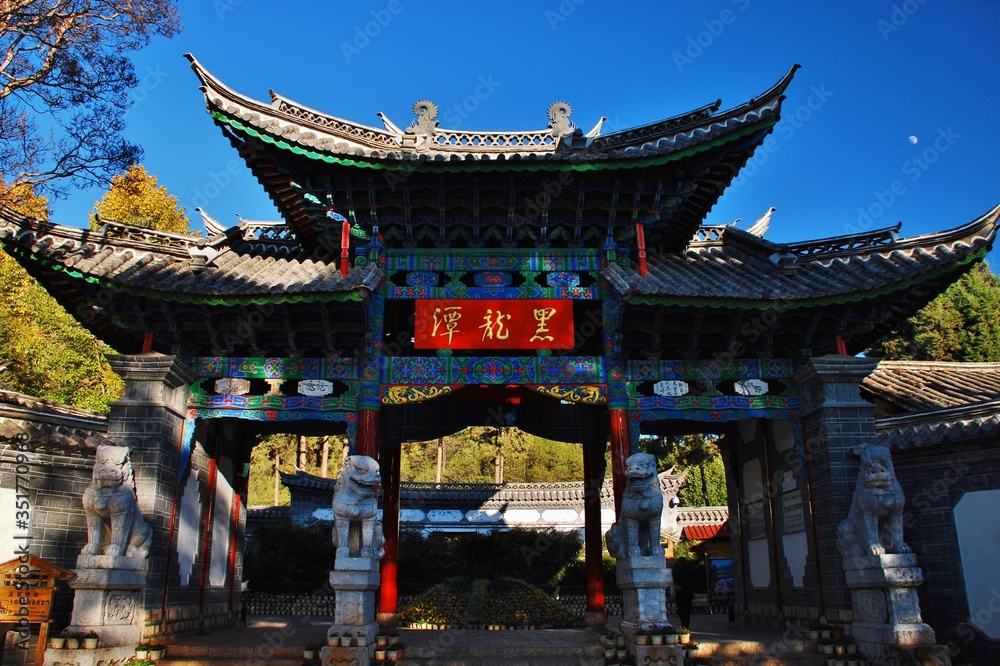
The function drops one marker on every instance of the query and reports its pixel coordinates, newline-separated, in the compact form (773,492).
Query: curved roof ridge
(294,123)
(958,365)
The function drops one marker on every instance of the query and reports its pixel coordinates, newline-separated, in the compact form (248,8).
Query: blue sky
(875,77)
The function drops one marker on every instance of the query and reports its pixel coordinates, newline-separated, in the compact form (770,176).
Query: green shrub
(503,601)
(282,556)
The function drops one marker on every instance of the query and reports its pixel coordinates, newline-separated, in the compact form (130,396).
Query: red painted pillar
(367,438)
(389,591)
(621,448)
(593,479)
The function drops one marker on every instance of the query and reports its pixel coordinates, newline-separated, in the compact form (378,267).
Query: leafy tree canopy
(65,75)
(962,324)
(699,456)
(49,354)
(135,199)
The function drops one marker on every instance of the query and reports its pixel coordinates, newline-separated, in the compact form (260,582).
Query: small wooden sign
(27,584)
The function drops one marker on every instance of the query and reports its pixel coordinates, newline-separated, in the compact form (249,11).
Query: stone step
(502,648)
(229,655)
(737,647)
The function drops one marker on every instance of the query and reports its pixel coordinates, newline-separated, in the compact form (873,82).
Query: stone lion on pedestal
(114,524)
(874,525)
(637,531)
(356,529)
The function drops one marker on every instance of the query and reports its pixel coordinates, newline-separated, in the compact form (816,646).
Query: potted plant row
(389,653)
(71,640)
(149,652)
(346,639)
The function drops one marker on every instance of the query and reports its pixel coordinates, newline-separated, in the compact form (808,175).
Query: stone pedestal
(355,581)
(643,581)
(887,624)
(107,601)
(659,655)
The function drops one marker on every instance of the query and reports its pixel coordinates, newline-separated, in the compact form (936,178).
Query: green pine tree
(962,324)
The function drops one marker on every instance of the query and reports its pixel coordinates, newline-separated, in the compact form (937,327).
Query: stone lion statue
(637,531)
(114,523)
(874,525)
(356,529)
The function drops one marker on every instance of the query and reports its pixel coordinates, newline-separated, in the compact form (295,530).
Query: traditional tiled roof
(485,495)
(924,386)
(294,126)
(736,269)
(702,515)
(50,427)
(246,261)
(934,403)
(731,290)
(945,427)
(424,185)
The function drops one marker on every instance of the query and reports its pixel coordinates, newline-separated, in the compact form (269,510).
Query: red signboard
(494,324)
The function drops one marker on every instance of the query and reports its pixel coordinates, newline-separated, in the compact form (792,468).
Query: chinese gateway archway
(425,279)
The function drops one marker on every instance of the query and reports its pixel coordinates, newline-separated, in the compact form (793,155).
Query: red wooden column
(593,479)
(621,448)
(389,590)
(367,436)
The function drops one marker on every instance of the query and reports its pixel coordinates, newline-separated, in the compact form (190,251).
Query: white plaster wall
(405,515)
(561,516)
(222,512)
(521,516)
(753,485)
(187,529)
(795,546)
(796,549)
(484,516)
(8,544)
(784,435)
(760,566)
(445,515)
(977,522)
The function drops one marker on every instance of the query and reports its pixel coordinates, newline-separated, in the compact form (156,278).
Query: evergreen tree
(134,198)
(962,324)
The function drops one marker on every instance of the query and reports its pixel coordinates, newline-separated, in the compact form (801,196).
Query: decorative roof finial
(426,121)
(559,121)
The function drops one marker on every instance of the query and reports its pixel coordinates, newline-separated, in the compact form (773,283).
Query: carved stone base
(110,656)
(643,582)
(887,624)
(355,581)
(108,599)
(348,656)
(658,655)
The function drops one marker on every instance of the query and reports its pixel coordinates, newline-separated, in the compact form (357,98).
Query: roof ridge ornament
(559,121)
(426,120)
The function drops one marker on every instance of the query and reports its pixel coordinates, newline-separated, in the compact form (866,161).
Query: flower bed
(485,604)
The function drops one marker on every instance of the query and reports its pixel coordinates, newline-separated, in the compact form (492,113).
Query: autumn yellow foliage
(48,353)
(134,198)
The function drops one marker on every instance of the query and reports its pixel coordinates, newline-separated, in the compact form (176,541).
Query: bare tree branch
(69,60)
